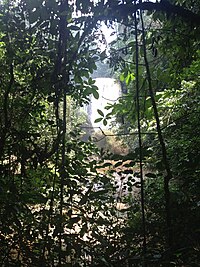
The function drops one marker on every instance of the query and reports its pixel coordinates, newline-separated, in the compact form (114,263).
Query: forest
(127,196)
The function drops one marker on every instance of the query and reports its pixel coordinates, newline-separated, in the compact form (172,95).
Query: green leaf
(128,171)
(100,112)
(85,73)
(74,28)
(83,200)
(98,120)
(105,122)
(95,94)
(51,99)
(151,175)
(130,77)
(101,192)
(74,220)
(107,164)
(121,77)
(130,164)
(91,81)
(118,164)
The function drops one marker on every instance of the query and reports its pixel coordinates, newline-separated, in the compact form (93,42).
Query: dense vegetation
(64,201)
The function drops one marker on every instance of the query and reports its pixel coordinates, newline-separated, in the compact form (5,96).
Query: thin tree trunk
(168,175)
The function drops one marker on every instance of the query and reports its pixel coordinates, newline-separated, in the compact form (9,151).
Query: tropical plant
(59,195)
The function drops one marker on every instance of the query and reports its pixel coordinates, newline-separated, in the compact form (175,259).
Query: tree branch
(164,6)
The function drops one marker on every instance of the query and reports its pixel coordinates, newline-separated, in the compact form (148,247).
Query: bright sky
(107,32)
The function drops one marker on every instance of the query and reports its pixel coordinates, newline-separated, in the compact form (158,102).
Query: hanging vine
(58,194)
(140,138)
(168,175)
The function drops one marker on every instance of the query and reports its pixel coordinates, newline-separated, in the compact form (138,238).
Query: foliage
(174,66)
(60,196)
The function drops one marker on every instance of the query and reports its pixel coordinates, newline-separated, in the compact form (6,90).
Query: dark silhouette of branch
(163,6)
(168,175)
(140,143)
(123,10)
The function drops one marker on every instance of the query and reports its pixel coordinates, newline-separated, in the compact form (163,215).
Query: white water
(109,93)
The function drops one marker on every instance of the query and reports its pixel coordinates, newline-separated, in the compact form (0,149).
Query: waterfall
(109,93)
